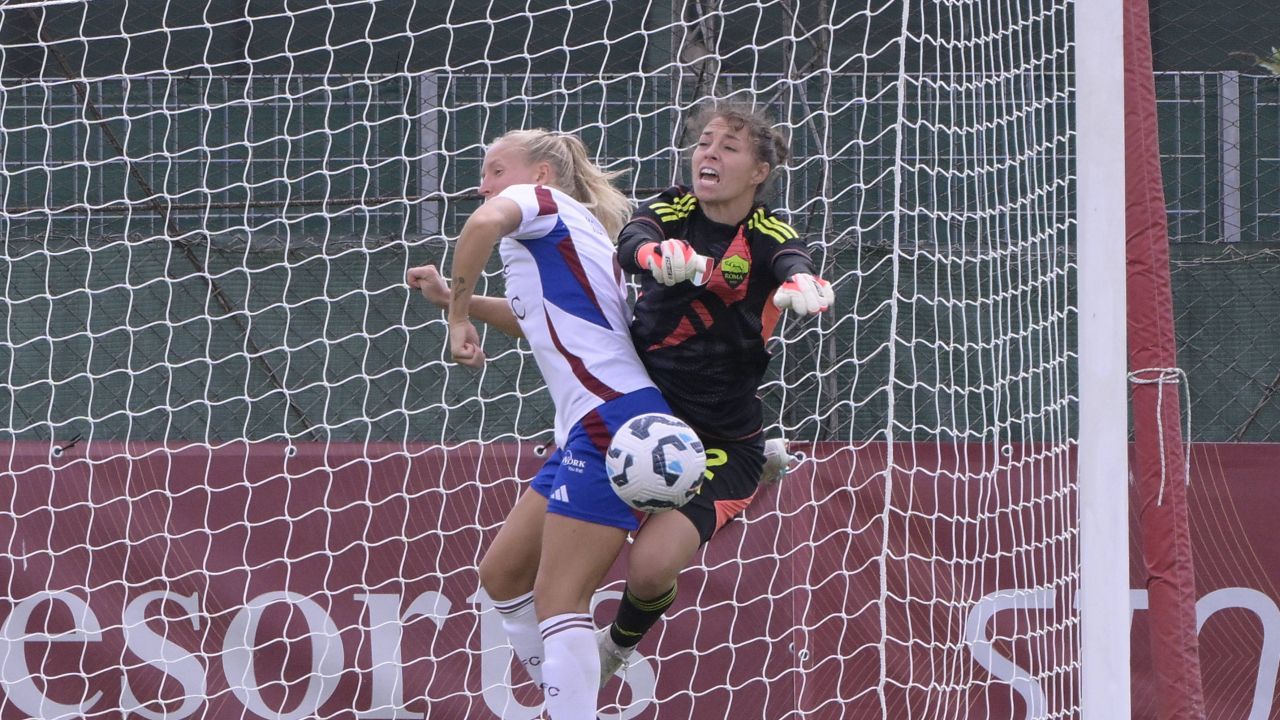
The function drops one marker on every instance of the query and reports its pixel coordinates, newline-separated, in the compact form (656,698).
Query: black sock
(636,616)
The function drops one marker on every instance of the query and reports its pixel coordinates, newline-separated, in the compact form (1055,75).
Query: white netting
(243,481)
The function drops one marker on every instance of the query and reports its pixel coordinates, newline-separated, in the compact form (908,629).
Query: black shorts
(729,484)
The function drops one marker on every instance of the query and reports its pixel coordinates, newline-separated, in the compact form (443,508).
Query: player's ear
(542,174)
(761,172)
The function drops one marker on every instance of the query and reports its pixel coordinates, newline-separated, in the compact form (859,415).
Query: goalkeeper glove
(673,262)
(778,461)
(804,295)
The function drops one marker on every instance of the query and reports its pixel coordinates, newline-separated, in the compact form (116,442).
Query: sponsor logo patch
(573,463)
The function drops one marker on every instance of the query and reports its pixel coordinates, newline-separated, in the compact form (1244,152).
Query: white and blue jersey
(565,286)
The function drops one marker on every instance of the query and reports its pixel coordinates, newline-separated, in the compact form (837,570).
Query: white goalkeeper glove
(673,262)
(804,295)
(778,461)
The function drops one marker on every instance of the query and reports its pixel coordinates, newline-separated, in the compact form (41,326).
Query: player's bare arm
(492,311)
(479,236)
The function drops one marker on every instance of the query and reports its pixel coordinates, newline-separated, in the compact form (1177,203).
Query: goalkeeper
(716,267)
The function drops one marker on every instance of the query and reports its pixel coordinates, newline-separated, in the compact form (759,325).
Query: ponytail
(593,187)
(576,175)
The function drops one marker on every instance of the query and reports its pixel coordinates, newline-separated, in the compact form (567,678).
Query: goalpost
(1103,443)
(241,478)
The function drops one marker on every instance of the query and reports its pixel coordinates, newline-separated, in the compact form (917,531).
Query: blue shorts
(574,480)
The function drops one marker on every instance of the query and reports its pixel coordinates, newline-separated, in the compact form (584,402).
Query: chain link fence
(98,248)
(1220,144)
(208,258)
(212,259)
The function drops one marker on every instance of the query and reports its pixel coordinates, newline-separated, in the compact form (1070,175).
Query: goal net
(242,478)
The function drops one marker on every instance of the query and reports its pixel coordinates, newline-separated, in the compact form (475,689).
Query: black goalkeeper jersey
(704,346)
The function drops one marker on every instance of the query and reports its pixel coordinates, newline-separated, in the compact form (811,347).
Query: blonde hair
(576,175)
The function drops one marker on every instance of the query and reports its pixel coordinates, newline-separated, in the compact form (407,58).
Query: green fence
(210,259)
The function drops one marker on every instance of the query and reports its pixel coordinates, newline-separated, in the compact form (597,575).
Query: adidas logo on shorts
(561,494)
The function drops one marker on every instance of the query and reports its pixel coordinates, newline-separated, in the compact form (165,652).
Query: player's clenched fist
(427,280)
(464,344)
(804,295)
(673,262)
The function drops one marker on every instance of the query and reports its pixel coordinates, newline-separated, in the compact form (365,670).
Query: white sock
(521,624)
(571,670)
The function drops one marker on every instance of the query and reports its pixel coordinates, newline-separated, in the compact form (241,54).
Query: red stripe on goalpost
(1160,497)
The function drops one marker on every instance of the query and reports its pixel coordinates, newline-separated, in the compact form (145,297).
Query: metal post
(1229,137)
(429,152)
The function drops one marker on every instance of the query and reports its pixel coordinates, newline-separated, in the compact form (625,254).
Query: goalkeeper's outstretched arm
(643,247)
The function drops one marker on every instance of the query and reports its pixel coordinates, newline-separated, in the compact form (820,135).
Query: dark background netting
(207,239)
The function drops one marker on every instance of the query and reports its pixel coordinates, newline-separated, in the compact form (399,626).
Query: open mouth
(708,175)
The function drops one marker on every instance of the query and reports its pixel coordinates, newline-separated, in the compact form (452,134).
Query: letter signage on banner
(377,614)
(164,655)
(385,634)
(15,675)
(327,657)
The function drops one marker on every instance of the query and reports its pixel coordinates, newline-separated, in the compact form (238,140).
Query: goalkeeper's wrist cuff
(645,253)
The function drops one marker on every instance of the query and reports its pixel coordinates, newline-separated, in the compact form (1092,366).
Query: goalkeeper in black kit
(717,267)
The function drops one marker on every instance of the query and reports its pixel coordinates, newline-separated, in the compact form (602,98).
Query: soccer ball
(655,462)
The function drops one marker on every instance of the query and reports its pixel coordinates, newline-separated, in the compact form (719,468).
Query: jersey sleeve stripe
(773,227)
(546,203)
(781,227)
(677,209)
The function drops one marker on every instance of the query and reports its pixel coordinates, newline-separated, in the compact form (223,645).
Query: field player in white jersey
(554,215)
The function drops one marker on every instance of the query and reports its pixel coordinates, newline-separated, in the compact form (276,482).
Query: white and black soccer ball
(655,462)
